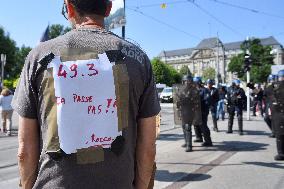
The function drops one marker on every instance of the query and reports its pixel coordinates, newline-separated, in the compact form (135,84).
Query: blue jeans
(220,109)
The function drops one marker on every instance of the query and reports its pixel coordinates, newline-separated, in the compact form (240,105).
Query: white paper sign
(86,103)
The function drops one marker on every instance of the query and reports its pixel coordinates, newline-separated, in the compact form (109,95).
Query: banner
(116,18)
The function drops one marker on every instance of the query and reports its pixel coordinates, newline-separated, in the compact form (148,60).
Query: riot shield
(176,103)
(187,105)
(278,109)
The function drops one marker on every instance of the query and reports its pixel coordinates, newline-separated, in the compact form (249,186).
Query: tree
(8,47)
(209,73)
(56,30)
(175,75)
(15,57)
(164,73)
(161,71)
(261,58)
(185,70)
(236,65)
(21,55)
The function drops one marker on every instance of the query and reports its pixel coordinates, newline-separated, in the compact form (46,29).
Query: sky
(182,24)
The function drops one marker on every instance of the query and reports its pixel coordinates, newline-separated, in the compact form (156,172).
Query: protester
(221,103)
(87,103)
(257,99)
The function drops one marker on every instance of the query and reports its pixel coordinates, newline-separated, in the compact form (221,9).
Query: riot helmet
(186,79)
(280,75)
(271,78)
(197,80)
(210,82)
(237,82)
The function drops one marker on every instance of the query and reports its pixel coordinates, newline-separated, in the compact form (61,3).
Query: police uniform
(203,130)
(189,108)
(236,99)
(214,94)
(268,98)
(278,115)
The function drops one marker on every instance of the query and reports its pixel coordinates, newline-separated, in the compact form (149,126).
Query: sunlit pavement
(241,162)
(235,162)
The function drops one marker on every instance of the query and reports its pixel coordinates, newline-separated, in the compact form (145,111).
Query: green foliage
(56,30)
(21,55)
(15,82)
(8,84)
(8,47)
(262,61)
(174,75)
(209,73)
(164,73)
(185,70)
(11,83)
(15,56)
(236,65)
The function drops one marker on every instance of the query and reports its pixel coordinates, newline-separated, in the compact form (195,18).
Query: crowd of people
(268,101)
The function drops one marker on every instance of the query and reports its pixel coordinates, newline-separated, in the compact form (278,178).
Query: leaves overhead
(56,30)
(164,73)
(262,60)
(8,47)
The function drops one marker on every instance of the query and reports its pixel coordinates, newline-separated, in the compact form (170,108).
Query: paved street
(235,162)
(239,162)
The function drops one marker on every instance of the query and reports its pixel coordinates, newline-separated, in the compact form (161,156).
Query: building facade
(213,53)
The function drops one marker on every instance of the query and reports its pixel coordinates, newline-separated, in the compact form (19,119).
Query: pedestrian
(236,99)
(202,131)
(268,99)
(214,96)
(278,116)
(6,111)
(88,104)
(257,95)
(221,102)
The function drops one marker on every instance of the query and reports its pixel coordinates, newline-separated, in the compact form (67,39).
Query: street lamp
(247,63)
(3,62)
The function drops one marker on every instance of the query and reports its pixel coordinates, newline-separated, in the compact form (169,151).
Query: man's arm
(28,152)
(145,152)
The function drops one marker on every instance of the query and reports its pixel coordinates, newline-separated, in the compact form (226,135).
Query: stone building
(213,53)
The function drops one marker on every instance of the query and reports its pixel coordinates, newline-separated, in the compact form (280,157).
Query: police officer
(236,100)
(257,99)
(268,98)
(214,94)
(278,115)
(184,106)
(203,129)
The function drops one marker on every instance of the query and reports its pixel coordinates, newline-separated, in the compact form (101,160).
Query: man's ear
(108,10)
(70,9)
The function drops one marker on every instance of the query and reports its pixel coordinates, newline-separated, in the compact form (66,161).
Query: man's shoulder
(45,48)
(133,51)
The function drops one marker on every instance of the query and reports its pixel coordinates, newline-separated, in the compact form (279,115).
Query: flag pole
(123,27)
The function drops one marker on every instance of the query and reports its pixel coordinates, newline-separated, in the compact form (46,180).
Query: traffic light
(247,63)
